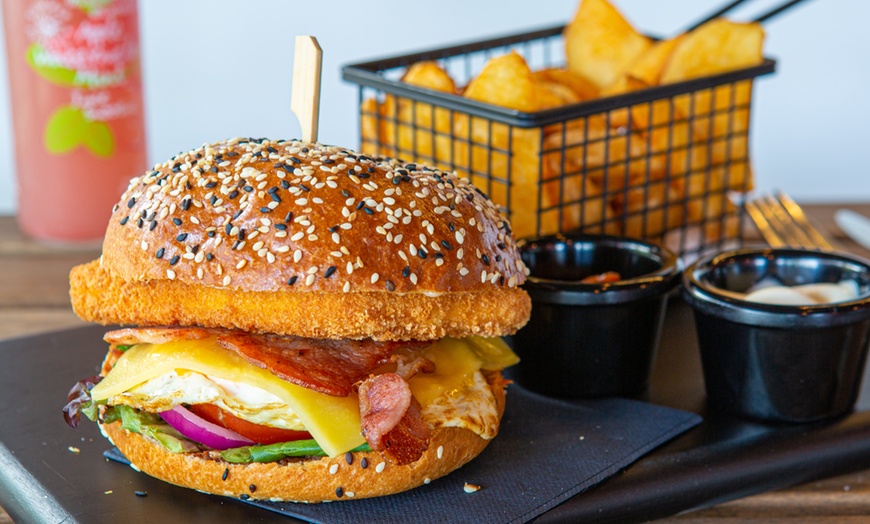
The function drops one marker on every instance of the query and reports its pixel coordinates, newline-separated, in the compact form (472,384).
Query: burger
(306,323)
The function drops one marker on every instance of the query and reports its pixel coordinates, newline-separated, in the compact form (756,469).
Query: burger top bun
(306,227)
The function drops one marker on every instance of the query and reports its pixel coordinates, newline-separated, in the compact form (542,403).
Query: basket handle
(305,99)
(731,5)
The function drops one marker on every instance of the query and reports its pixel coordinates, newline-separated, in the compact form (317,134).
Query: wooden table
(34,298)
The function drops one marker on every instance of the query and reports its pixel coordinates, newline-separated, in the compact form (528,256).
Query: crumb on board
(470,488)
(73,449)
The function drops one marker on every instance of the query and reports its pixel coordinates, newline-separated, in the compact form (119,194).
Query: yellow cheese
(334,422)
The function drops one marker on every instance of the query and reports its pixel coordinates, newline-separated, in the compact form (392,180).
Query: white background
(220,68)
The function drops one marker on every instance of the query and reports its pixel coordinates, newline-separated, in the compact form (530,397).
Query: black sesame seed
(209,256)
(160,252)
(438,255)
(402,172)
(498,258)
(214,169)
(275,198)
(151,216)
(285,184)
(363,175)
(195,249)
(211,185)
(363,463)
(303,187)
(501,245)
(140,223)
(152,225)
(182,237)
(248,189)
(282,227)
(501,281)
(348,457)
(271,149)
(213,199)
(451,226)
(226,474)
(272,189)
(177,221)
(368,210)
(333,229)
(174,260)
(235,244)
(295,160)
(252,487)
(406,272)
(329,272)
(360,205)
(304,149)
(345,193)
(292,280)
(485,259)
(124,220)
(258,154)
(371,169)
(237,214)
(328,161)
(397,179)
(131,202)
(233,194)
(411,167)
(244,496)
(339,492)
(422,253)
(288,217)
(229,227)
(390,285)
(140,493)
(265,210)
(447,244)
(406,178)
(143,214)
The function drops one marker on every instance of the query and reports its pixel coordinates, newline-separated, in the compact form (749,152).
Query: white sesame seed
(301,201)
(413,279)
(297,255)
(512,281)
(349,268)
(227,280)
(335,237)
(403,256)
(460,253)
(470,488)
(170,274)
(439,262)
(333,469)
(263,229)
(375,277)
(349,494)
(298,236)
(463,271)
(313,238)
(309,280)
(144,246)
(459,237)
(199,273)
(282,249)
(346,287)
(280,234)
(380,467)
(241,263)
(257,246)
(483,276)
(262,252)
(336,254)
(440,452)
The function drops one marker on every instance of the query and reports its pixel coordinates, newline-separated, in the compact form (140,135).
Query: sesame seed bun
(307,480)
(309,240)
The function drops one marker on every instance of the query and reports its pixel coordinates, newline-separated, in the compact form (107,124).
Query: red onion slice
(200,430)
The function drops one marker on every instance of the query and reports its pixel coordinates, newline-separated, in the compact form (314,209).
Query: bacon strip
(390,418)
(327,366)
(158,335)
(407,367)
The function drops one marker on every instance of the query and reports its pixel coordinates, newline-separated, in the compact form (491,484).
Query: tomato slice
(256,432)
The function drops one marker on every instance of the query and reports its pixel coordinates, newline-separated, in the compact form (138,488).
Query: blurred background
(220,68)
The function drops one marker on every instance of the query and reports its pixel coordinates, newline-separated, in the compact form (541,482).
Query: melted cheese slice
(334,422)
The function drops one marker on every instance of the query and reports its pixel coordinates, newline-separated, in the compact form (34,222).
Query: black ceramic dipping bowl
(779,363)
(592,340)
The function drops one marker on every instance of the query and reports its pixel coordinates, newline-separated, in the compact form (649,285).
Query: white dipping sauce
(804,295)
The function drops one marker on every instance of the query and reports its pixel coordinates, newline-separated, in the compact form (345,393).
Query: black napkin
(546,452)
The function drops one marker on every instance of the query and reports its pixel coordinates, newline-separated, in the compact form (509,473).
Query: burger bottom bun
(310,480)
(98,296)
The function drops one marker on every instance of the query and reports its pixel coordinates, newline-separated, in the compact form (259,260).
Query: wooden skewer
(305,100)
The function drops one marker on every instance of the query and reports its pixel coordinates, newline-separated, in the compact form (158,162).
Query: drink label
(90,47)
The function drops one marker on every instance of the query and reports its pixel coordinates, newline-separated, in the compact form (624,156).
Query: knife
(855,225)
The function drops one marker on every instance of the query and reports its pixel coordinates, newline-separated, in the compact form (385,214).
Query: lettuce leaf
(276,452)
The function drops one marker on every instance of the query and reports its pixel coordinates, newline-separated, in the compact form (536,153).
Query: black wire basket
(668,163)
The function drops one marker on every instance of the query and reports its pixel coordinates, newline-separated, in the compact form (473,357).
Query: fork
(783,223)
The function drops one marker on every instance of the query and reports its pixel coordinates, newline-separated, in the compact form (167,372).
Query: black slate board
(721,459)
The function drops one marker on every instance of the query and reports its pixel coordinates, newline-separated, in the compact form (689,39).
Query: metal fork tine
(783,223)
(767,231)
(799,217)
